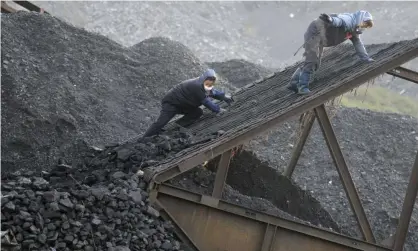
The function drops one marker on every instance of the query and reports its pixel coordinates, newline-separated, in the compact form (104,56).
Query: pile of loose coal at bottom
(98,206)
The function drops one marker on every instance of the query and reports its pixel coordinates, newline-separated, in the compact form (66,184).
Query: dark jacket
(191,93)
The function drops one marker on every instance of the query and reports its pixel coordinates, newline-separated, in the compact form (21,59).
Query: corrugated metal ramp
(268,102)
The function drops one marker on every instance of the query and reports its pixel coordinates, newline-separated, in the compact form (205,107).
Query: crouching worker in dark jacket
(185,98)
(327,31)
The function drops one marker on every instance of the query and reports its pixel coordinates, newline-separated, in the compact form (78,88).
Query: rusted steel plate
(225,226)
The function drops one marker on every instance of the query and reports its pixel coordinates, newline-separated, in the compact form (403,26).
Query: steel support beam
(220,225)
(30,6)
(5,8)
(195,158)
(221,174)
(342,168)
(301,143)
(404,73)
(408,207)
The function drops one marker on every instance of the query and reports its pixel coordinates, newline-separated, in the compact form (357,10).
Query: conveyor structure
(208,223)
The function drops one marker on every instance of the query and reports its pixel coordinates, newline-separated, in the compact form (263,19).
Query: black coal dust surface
(380,150)
(64,88)
(240,72)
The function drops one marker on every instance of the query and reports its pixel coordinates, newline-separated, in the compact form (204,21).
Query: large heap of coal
(100,206)
(64,88)
(240,72)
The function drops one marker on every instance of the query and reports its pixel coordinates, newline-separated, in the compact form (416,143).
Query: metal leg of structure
(221,174)
(408,207)
(404,73)
(299,147)
(344,173)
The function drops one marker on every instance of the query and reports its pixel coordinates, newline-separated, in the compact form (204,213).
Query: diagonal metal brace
(342,168)
(407,208)
(405,74)
(301,143)
(221,174)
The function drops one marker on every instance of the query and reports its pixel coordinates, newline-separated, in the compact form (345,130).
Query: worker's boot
(303,85)
(294,80)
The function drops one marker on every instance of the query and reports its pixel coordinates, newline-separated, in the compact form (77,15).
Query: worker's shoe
(303,91)
(304,79)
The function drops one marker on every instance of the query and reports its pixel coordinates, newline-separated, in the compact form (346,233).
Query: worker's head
(365,20)
(208,78)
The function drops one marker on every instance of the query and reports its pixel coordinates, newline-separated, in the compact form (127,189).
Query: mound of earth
(380,150)
(64,88)
(240,72)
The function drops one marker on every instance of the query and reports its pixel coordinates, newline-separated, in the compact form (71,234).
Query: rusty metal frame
(405,74)
(299,147)
(191,160)
(272,224)
(408,207)
(344,173)
(30,6)
(221,174)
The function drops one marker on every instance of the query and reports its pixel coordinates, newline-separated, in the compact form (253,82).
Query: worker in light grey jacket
(327,31)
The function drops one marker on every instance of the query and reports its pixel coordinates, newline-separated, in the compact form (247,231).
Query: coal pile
(240,72)
(102,206)
(64,89)
(113,217)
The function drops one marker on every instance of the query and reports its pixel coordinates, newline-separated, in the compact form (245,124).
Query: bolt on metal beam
(344,173)
(299,147)
(408,207)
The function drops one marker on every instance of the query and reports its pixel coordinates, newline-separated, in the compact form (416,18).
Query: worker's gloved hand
(221,111)
(228,100)
(368,60)
(325,17)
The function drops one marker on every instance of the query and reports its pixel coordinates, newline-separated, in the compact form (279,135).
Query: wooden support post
(342,168)
(408,207)
(299,147)
(221,174)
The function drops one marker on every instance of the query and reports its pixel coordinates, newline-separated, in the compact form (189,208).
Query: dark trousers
(168,111)
(313,52)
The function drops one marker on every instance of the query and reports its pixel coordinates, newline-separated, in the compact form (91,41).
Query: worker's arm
(210,105)
(359,47)
(216,94)
(219,95)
